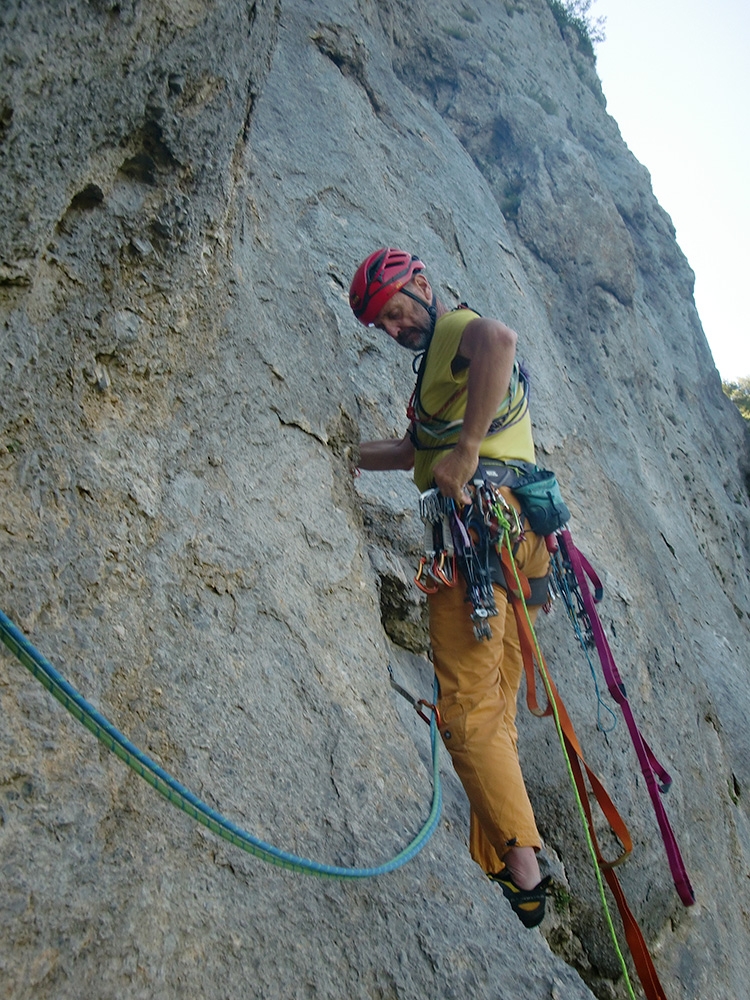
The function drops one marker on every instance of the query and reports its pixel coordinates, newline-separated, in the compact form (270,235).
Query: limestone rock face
(187,188)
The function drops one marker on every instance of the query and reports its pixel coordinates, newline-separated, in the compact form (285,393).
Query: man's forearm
(391,453)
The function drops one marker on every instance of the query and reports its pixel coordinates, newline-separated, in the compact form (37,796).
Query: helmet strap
(431,308)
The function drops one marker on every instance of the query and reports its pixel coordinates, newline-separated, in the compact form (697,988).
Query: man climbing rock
(470,403)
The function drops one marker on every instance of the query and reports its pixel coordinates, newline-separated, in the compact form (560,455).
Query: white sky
(676,75)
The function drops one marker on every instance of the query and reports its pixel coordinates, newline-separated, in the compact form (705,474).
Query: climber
(470,402)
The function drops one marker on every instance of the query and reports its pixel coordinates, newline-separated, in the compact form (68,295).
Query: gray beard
(416,338)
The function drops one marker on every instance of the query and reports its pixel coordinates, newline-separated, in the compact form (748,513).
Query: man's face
(406,321)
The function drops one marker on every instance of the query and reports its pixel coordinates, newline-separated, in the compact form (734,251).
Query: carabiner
(449,577)
(432,708)
(414,702)
(423,571)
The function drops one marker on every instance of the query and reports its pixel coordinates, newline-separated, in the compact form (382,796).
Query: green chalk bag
(541,502)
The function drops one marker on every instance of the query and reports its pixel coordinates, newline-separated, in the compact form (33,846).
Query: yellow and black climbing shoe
(527,904)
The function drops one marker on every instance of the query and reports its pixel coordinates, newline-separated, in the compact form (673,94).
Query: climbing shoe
(527,904)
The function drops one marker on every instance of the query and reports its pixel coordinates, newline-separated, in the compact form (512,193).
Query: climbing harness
(182,798)
(431,432)
(441,434)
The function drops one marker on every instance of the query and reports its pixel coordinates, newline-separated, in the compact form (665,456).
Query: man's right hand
(453,472)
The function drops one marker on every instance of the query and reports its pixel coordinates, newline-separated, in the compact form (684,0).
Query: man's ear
(423,285)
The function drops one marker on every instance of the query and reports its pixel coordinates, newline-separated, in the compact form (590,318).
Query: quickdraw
(463,540)
(418,703)
(564,586)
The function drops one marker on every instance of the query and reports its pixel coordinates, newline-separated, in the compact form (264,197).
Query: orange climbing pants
(479,684)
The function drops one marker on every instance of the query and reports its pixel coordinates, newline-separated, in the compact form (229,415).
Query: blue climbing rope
(181,797)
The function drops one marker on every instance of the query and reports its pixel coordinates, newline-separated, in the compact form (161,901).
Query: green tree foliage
(739,393)
(576,14)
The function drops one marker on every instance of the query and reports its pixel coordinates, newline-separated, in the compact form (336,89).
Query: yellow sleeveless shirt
(439,403)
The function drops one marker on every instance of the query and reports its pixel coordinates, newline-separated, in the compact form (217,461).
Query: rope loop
(185,800)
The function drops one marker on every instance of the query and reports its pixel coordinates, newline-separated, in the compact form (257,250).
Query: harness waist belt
(499,473)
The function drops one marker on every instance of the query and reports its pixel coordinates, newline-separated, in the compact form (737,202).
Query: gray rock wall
(187,189)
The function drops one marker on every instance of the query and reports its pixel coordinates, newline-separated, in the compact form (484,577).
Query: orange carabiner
(433,708)
(423,573)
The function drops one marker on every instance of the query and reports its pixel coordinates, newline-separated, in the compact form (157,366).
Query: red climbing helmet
(378,278)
